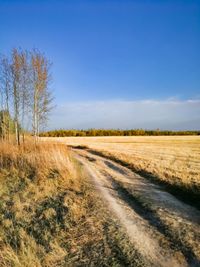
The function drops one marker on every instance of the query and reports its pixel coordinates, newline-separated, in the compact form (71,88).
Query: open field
(79,206)
(174,159)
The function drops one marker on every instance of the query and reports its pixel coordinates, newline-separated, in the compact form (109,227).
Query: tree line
(114,132)
(25,97)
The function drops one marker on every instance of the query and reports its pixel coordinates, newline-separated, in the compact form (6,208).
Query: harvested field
(174,160)
(89,205)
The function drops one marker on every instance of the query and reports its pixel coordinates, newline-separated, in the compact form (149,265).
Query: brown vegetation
(174,161)
(50,215)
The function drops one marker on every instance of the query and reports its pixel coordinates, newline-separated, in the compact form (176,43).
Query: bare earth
(163,229)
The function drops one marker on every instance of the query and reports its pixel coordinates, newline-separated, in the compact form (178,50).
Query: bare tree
(41,94)
(5,89)
(2,120)
(25,100)
(24,82)
(16,69)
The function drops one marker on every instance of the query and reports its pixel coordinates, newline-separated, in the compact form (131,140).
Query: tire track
(145,216)
(154,220)
(137,231)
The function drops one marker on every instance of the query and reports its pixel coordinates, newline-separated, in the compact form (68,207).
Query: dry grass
(174,159)
(32,209)
(48,212)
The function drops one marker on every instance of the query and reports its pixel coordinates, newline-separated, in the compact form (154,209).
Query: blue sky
(115,53)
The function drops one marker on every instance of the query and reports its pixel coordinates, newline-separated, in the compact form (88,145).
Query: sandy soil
(164,230)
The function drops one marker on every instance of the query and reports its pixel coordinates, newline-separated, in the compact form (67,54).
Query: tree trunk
(16,132)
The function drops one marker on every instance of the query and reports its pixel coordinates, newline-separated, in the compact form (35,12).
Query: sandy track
(163,229)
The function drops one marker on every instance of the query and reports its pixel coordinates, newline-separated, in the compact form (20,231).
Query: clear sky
(123,64)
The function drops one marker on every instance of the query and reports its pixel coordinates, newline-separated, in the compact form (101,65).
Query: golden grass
(48,211)
(33,182)
(50,214)
(175,159)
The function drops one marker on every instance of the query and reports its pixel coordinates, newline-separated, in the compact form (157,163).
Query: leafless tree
(24,82)
(5,91)
(16,70)
(25,93)
(41,94)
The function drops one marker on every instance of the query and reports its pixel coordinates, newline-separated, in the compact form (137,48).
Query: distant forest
(113,132)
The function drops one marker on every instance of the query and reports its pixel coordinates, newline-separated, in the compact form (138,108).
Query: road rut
(163,229)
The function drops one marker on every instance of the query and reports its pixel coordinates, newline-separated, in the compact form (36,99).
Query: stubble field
(152,187)
(173,159)
(100,201)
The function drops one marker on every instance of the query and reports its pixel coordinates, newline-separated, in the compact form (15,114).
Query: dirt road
(164,230)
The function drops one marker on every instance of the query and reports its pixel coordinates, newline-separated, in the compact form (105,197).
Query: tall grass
(49,214)
(33,202)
